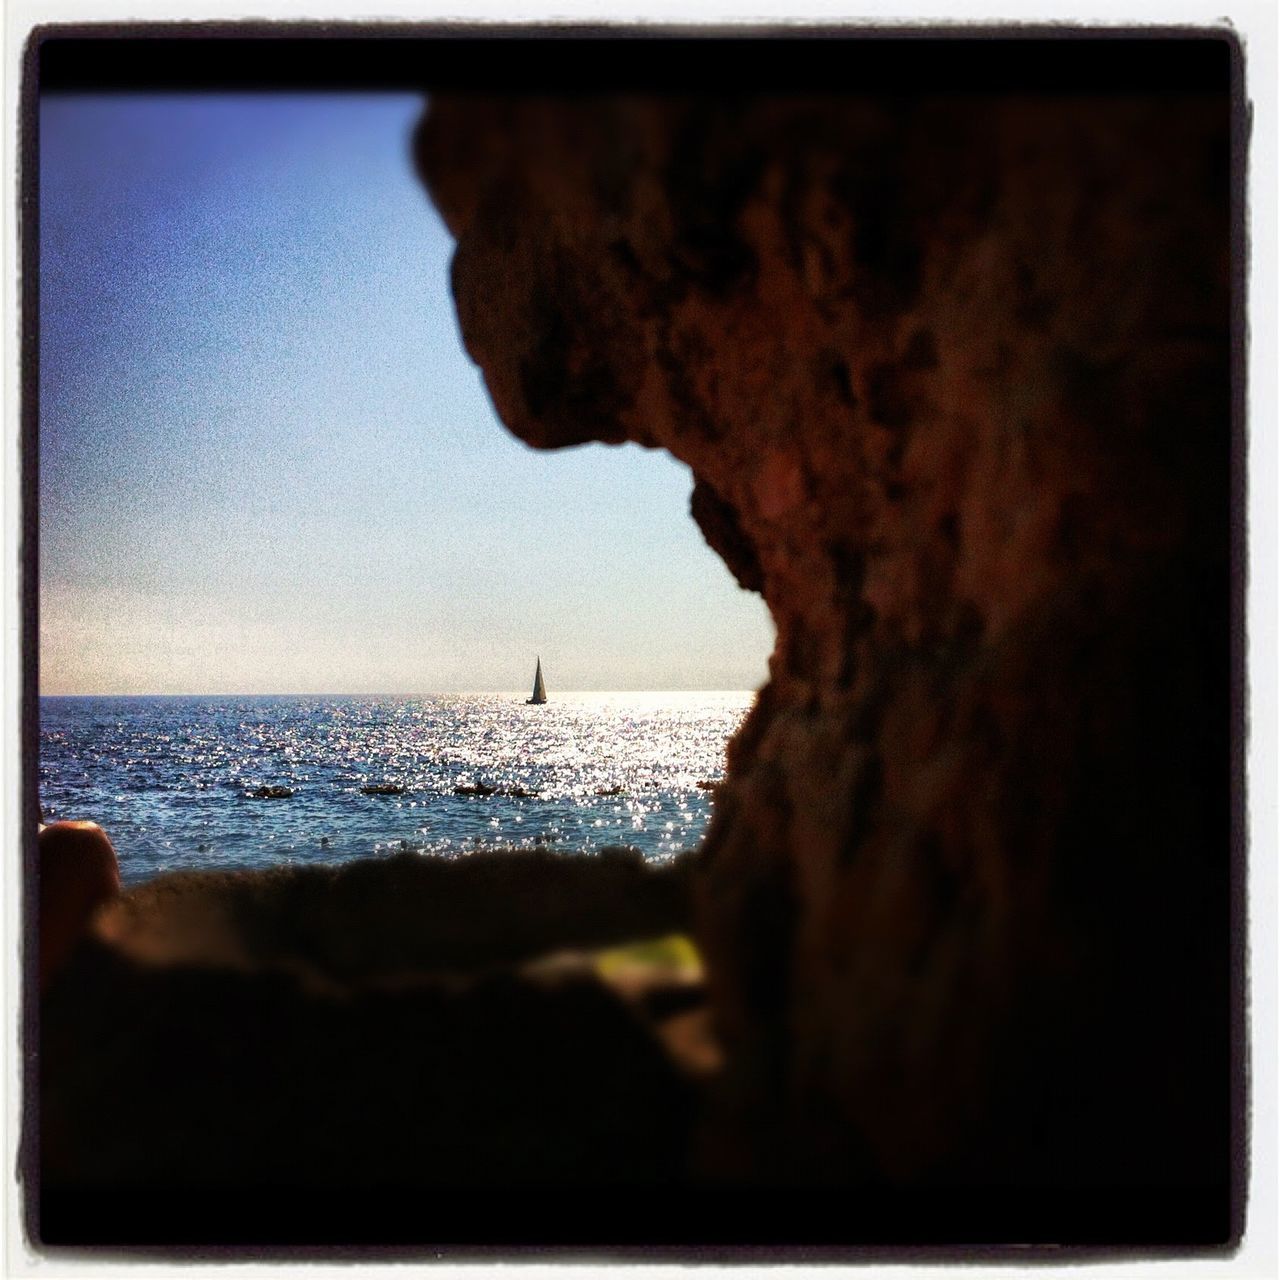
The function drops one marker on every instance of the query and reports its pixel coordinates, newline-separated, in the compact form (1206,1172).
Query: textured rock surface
(401,1023)
(952,377)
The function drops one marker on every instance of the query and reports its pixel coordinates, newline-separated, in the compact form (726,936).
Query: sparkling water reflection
(251,782)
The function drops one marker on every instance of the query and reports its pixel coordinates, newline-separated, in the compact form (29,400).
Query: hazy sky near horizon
(266,462)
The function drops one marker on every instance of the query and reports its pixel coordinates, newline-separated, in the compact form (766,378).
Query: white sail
(539,689)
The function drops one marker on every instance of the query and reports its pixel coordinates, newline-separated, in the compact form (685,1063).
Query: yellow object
(673,954)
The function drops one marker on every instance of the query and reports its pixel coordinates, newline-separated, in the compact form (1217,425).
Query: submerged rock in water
(383,789)
(272,793)
(474,789)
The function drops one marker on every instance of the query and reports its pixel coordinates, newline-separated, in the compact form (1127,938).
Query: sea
(226,782)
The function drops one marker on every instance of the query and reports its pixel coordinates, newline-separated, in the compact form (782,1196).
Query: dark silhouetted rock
(395,1023)
(78,872)
(953,379)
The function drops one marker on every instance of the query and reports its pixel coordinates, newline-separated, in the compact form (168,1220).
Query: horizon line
(361,693)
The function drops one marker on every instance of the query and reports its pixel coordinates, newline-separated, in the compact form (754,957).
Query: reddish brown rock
(952,377)
(78,873)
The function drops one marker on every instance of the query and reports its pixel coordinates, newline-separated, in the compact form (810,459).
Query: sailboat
(539,689)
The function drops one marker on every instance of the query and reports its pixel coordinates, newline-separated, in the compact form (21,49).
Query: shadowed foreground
(460,1055)
(365,1035)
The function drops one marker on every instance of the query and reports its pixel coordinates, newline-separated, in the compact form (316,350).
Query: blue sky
(266,463)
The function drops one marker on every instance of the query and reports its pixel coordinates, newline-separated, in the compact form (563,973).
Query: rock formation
(953,380)
(404,1049)
(78,873)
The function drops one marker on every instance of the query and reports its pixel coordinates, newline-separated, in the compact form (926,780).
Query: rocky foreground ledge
(405,1026)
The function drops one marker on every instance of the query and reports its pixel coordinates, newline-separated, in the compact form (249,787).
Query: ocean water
(176,781)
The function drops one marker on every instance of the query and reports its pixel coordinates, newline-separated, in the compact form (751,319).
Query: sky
(267,464)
